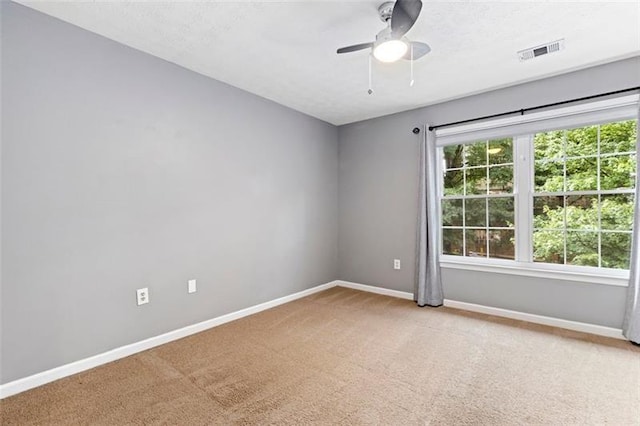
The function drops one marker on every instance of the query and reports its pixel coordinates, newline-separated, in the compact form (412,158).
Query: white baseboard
(537,319)
(499,312)
(377,290)
(39,379)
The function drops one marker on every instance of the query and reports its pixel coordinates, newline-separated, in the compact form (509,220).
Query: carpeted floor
(348,357)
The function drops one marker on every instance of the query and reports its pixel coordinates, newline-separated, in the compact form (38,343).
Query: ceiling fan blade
(419,50)
(405,14)
(355,47)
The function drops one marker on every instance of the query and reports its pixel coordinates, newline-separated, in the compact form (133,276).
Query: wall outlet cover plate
(142,296)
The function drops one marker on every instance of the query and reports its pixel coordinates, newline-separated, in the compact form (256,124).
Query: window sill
(610,277)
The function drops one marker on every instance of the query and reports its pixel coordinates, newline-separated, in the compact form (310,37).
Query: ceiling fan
(391,44)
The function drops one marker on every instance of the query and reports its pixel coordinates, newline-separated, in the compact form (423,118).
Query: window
(583,195)
(477,209)
(567,200)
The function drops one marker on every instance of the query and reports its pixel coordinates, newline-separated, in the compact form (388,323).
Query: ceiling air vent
(544,49)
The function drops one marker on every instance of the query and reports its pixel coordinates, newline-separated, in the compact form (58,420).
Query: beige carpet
(347,357)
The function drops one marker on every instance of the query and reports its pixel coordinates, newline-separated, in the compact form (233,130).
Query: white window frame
(523,129)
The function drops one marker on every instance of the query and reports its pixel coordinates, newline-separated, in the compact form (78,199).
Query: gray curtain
(631,324)
(428,289)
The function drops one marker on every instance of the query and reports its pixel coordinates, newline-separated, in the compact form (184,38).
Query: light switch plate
(192,286)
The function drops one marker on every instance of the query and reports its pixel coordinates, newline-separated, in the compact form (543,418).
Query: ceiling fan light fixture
(390,50)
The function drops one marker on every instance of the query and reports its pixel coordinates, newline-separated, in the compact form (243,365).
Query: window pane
(582,174)
(452,212)
(549,145)
(549,176)
(453,156)
(476,154)
(501,212)
(618,137)
(476,180)
(500,151)
(582,212)
(476,242)
(616,212)
(548,246)
(501,179)
(475,212)
(548,212)
(501,244)
(582,248)
(452,242)
(617,172)
(453,182)
(616,250)
(582,141)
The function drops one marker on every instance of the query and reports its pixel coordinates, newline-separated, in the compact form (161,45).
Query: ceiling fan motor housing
(385,10)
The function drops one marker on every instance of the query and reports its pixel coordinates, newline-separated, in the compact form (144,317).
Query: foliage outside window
(581,197)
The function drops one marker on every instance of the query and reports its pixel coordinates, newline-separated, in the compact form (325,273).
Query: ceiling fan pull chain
(411,62)
(370,91)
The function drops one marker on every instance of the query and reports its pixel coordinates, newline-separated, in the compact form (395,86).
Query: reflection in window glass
(500,151)
(501,244)
(476,245)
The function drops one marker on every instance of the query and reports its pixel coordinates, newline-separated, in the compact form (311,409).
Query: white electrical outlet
(396,263)
(192,286)
(143,295)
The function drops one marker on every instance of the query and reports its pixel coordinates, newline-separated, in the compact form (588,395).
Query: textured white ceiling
(285,50)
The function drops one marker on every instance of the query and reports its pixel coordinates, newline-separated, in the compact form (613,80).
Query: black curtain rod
(522,111)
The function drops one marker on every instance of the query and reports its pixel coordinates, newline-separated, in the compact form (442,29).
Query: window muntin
(580,197)
(477,203)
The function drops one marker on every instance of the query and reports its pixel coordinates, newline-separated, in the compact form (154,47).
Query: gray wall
(121,171)
(378,204)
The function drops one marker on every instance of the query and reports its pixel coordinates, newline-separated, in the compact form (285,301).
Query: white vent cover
(543,49)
